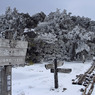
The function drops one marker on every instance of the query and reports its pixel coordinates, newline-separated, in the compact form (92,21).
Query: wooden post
(8,79)
(5,80)
(0,80)
(55,74)
(53,69)
(12,52)
(3,86)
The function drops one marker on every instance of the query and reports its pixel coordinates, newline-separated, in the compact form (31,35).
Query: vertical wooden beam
(0,80)
(8,79)
(3,82)
(55,74)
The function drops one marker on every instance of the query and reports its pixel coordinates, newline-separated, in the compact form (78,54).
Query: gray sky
(84,8)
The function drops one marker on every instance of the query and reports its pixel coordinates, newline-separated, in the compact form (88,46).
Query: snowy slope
(36,80)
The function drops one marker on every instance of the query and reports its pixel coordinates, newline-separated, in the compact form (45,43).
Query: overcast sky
(84,8)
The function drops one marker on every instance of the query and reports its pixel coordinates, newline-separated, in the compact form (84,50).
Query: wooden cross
(53,68)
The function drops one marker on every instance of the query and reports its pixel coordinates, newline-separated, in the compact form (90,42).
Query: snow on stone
(28,30)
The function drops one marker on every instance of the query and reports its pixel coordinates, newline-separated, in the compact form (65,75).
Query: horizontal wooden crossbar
(62,70)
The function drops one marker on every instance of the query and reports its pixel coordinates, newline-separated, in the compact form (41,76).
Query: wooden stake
(55,74)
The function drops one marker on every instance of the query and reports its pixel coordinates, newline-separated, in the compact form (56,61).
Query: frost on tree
(74,36)
(58,34)
(11,24)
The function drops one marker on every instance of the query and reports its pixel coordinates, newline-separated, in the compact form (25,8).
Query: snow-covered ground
(36,80)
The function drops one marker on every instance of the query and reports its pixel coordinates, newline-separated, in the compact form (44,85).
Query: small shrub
(31,63)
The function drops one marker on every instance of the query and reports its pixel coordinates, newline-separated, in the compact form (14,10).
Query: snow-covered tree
(11,24)
(73,35)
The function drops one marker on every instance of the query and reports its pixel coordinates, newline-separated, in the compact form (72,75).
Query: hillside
(36,80)
(59,34)
(66,37)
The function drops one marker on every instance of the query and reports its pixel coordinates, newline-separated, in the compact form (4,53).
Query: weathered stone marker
(53,68)
(12,53)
